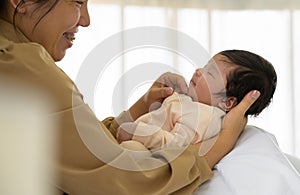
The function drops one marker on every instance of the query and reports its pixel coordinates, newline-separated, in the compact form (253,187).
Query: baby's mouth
(69,36)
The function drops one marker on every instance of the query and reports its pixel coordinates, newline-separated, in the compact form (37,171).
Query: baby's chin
(191,93)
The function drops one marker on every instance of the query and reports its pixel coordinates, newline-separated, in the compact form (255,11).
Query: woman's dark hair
(3,8)
(253,72)
(40,3)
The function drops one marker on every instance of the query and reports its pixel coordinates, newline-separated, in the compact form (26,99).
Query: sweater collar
(8,31)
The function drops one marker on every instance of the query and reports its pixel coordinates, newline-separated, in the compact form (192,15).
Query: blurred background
(270,28)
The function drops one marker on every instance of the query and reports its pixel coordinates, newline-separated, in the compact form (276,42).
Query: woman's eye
(79,3)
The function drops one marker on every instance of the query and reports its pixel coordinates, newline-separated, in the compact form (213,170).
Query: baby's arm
(150,135)
(154,136)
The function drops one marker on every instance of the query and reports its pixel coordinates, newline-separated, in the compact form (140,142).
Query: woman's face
(56,30)
(210,80)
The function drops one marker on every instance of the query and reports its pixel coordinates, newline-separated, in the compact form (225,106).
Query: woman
(33,35)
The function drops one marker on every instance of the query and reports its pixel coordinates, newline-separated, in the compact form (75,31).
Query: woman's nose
(84,19)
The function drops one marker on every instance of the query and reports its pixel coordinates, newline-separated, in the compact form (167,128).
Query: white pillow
(256,165)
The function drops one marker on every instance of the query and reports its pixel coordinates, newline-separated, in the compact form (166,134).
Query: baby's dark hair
(253,72)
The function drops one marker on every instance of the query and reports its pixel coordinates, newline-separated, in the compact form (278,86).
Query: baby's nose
(198,72)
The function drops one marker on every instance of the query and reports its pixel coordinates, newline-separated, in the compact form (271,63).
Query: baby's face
(210,80)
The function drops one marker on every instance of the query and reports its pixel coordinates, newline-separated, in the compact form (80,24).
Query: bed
(255,166)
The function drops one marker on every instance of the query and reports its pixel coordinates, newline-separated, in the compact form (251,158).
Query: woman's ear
(228,103)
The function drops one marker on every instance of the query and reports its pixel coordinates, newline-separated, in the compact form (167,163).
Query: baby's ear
(14,3)
(21,9)
(228,103)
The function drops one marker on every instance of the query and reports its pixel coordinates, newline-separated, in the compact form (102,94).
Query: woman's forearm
(138,109)
(223,145)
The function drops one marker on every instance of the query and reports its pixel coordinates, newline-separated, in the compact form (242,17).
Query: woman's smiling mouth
(69,36)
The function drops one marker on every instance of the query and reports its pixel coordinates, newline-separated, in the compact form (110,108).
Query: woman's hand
(175,81)
(125,131)
(233,124)
(163,87)
(123,135)
(235,121)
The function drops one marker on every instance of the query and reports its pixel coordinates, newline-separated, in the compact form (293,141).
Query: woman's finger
(247,101)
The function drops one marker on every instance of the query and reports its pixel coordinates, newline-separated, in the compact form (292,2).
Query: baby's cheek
(204,95)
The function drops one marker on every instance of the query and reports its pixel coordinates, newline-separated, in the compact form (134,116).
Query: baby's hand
(125,132)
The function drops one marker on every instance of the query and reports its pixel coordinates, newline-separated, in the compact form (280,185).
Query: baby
(214,90)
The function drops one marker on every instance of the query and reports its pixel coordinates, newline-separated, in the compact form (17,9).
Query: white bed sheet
(255,166)
(295,161)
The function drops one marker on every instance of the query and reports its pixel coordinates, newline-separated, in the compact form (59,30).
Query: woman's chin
(59,55)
